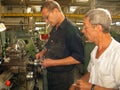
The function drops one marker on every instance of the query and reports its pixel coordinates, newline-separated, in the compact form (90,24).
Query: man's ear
(99,27)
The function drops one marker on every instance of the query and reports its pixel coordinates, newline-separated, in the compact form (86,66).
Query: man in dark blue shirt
(63,50)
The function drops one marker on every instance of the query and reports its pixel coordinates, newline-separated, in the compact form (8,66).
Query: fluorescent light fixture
(35,0)
(37,28)
(73,8)
(118,23)
(2,27)
(40,23)
(79,23)
(29,10)
(82,0)
(37,8)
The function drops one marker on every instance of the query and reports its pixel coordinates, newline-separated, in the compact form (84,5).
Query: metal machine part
(29,75)
(20,44)
(1,60)
(33,67)
(4,76)
(21,69)
(33,73)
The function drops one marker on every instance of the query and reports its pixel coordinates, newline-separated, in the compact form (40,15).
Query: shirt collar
(62,25)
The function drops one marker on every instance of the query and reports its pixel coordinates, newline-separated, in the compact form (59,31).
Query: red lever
(7,83)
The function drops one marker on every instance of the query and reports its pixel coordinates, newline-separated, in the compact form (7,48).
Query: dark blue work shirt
(63,42)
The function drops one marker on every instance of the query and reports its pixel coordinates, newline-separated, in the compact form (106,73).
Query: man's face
(89,30)
(49,16)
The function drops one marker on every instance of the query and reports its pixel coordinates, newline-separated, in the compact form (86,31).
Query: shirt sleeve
(76,45)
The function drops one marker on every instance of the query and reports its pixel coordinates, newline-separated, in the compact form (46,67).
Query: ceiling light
(40,23)
(2,27)
(37,8)
(37,28)
(35,0)
(118,23)
(82,0)
(79,23)
(73,8)
(29,10)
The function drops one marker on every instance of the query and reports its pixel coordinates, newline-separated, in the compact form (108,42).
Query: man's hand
(83,85)
(47,62)
(39,55)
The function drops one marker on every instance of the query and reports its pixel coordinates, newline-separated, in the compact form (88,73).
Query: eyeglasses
(47,16)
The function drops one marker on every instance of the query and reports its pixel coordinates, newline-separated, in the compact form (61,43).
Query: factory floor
(24,84)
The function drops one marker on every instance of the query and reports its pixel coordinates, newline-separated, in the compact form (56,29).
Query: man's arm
(59,62)
(66,61)
(85,77)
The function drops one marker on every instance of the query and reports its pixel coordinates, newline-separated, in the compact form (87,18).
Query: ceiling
(80,6)
(74,8)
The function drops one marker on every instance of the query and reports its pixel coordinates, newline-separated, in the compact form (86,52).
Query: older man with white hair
(103,68)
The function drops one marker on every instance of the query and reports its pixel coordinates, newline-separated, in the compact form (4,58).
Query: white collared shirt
(105,71)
